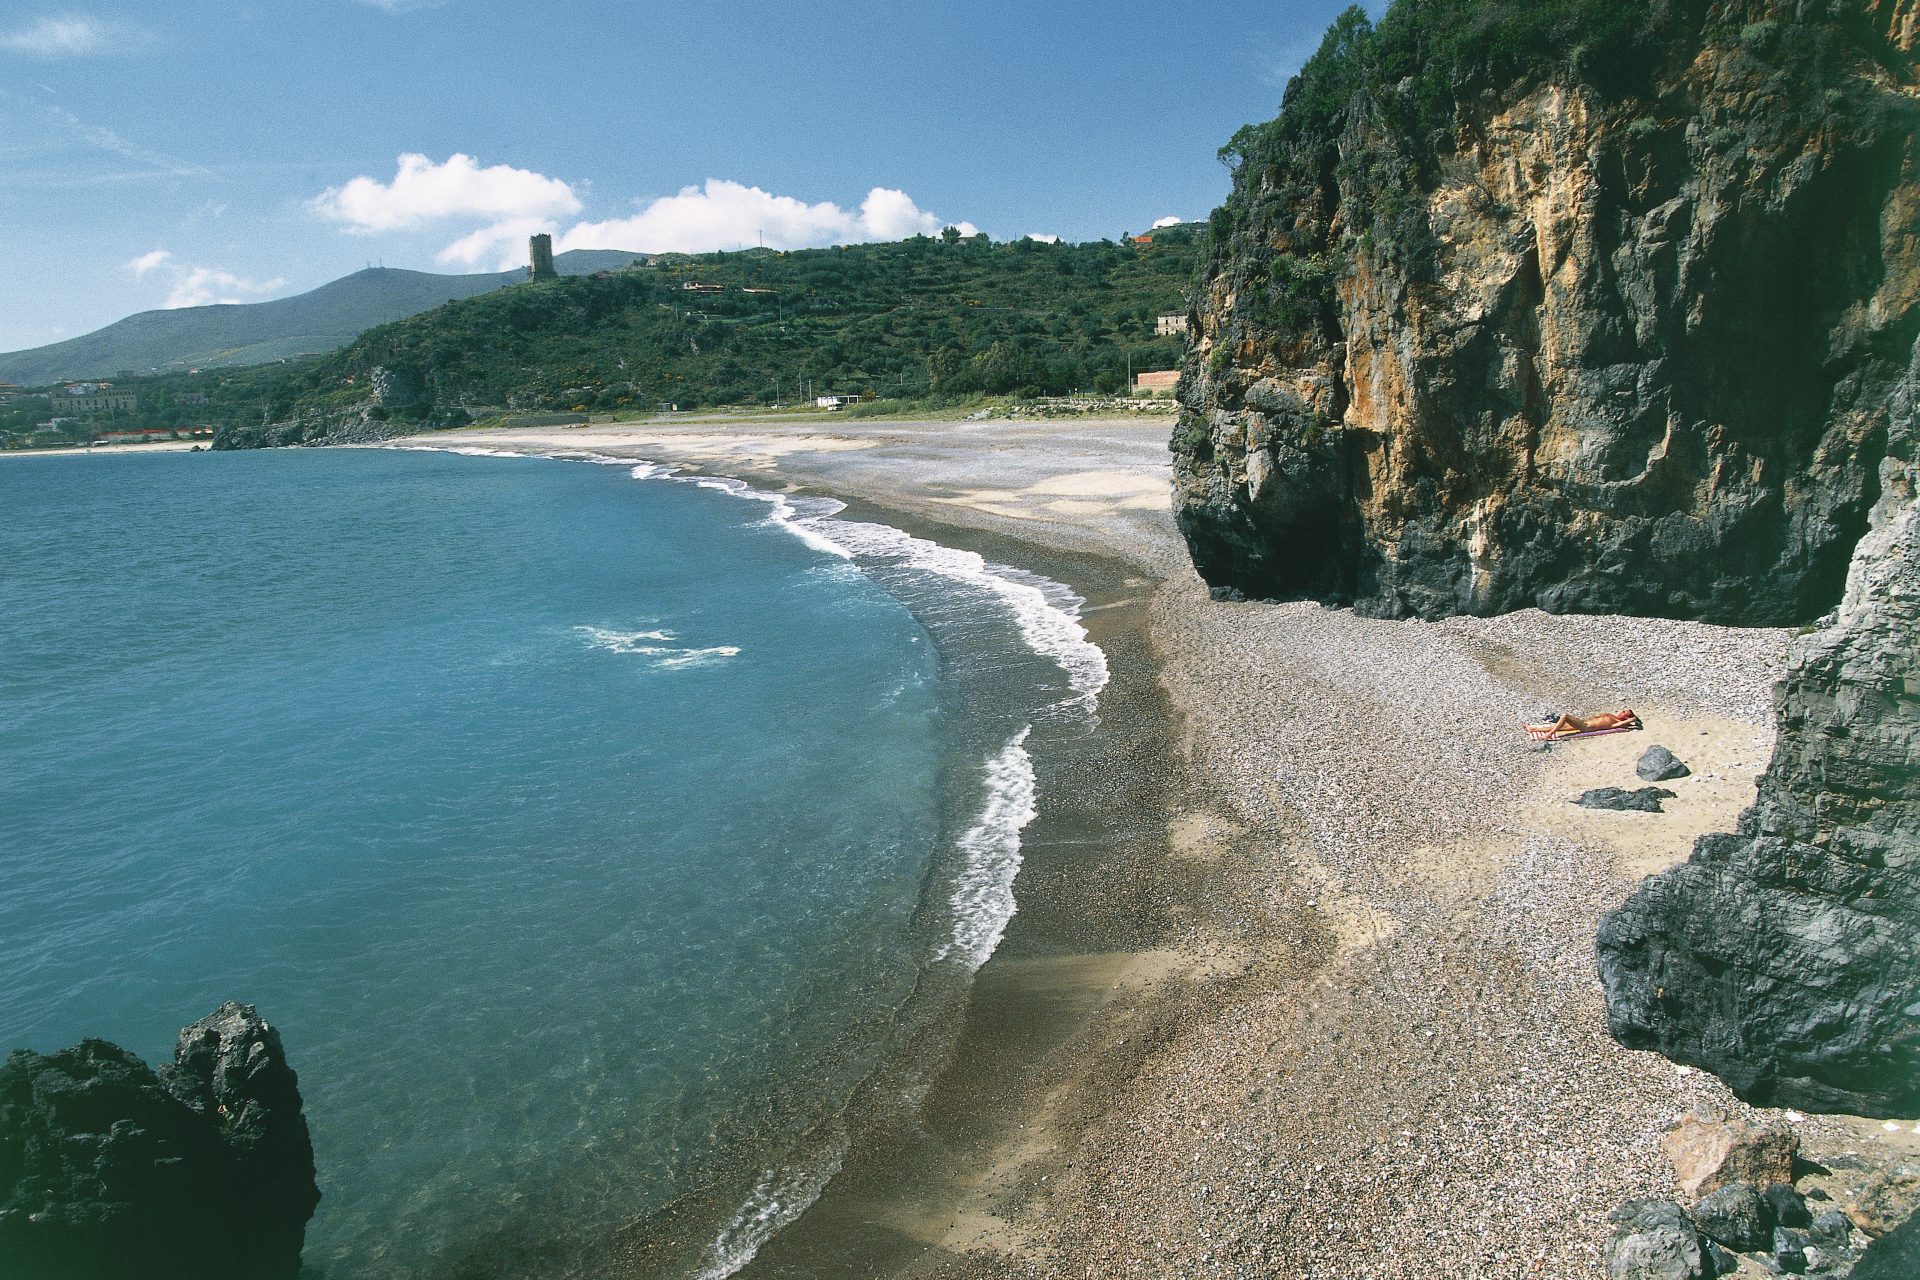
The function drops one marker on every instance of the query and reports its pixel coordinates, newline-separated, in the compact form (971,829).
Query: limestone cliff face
(1786,958)
(1589,344)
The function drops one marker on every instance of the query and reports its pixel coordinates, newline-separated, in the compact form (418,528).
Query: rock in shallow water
(110,1170)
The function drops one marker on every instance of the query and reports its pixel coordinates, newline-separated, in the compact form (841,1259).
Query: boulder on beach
(1657,764)
(1784,957)
(1709,1154)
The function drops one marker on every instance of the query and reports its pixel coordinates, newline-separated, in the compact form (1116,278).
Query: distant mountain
(259,332)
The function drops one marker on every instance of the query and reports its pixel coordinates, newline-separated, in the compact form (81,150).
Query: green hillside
(915,318)
(231,335)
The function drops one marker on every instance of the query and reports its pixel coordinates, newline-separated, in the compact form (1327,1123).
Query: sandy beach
(1301,983)
(110,450)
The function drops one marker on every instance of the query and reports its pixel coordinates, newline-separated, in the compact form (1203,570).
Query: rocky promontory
(1590,307)
(1786,958)
(112,1170)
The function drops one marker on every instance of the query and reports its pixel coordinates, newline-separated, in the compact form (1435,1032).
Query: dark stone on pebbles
(1642,800)
(1831,1229)
(1654,1240)
(1789,1206)
(1790,1249)
(1657,764)
(1737,1216)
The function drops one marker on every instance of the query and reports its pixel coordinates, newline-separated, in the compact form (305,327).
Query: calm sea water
(585,832)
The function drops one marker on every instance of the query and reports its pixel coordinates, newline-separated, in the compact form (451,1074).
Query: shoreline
(112,450)
(1325,1003)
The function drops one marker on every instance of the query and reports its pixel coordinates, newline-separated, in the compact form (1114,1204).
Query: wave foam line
(982,897)
(1048,616)
(777,1199)
(785,514)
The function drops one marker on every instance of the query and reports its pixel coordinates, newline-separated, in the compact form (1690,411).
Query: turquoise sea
(589,832)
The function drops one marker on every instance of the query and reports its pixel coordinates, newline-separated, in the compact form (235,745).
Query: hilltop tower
(540,249)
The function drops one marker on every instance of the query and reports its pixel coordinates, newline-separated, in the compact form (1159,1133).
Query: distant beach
(1301,977)
(109,450)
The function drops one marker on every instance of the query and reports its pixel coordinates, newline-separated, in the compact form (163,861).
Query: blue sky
(201,151)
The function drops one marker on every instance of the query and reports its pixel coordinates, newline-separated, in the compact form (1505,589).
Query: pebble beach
(1325,1004)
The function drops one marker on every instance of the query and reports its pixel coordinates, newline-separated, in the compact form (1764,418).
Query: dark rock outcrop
(1786,958)
(1894,1256)
(111,1170)
(1608,325)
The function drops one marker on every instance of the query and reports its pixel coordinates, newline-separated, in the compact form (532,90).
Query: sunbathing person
(1624,718)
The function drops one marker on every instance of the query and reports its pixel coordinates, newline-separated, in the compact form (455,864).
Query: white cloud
(727,215)
(1043,238)
(201,286)
(1169,221)
(502,246)
(191,286)
(422,191)
(403,6)
(148,262)
(68,36)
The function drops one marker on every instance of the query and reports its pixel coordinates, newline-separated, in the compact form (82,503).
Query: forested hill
(920,317)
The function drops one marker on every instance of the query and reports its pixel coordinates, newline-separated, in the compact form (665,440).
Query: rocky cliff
(1786,958)
(111,1170)
(1612,307)
(1591,307)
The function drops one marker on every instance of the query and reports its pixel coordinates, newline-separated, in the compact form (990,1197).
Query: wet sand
(1301,981)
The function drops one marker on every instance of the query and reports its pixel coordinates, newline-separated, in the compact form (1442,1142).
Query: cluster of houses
(74,404)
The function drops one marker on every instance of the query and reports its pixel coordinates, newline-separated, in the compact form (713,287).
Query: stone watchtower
(540,249)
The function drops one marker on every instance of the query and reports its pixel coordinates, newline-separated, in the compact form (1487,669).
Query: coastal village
(90,415)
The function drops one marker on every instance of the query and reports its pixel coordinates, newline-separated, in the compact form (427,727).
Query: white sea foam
(982,897)
(787,514)
(652,644)
(1046,612)
(777,1199)
(475,451)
